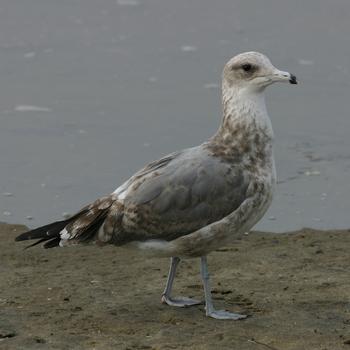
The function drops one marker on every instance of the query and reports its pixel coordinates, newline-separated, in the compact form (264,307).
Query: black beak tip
(293,79)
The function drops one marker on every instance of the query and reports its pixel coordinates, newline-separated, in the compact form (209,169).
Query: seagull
(193,201)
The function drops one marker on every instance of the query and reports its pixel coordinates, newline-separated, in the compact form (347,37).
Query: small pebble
(66,215)
(39,340)
(28,217)
(272,218)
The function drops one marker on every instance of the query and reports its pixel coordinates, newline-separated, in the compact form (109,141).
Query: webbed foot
(180,302)
(225,315)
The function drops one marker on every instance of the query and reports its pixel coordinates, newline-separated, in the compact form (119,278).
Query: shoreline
(294,286)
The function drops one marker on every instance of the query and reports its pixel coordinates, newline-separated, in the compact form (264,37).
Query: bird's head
(253,71)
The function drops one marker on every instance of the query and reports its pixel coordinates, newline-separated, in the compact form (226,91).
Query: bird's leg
(209,308)
(166,298)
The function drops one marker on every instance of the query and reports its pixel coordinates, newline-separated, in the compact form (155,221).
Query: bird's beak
(279,75)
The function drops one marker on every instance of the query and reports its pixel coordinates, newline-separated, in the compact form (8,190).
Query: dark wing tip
(48,231)
(23,236)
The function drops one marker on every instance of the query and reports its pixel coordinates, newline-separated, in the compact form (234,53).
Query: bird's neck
(245,134)
(244,115)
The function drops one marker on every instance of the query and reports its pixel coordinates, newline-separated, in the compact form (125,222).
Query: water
(90,91)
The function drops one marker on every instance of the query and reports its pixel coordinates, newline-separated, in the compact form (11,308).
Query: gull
(197,200)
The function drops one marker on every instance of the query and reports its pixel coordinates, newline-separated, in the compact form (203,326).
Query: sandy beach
(294,286)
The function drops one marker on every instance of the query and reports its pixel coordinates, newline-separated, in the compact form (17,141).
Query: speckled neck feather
(243,107)
(245,127)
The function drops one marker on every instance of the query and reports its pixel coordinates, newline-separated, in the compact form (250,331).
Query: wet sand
(295,287)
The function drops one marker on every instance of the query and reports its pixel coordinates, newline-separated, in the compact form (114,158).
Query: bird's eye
(247,67)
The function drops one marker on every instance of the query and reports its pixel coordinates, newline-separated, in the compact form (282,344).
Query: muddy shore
(294,286)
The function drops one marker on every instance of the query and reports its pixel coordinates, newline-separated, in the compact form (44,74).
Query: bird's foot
(180,302)
(225,315)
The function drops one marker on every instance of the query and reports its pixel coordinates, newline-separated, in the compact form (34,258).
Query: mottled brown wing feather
(180,194)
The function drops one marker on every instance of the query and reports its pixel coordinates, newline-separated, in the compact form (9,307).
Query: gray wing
(179,194)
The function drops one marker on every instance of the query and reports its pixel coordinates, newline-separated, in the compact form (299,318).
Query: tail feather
(44,232)
(82,227)
(52,243)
